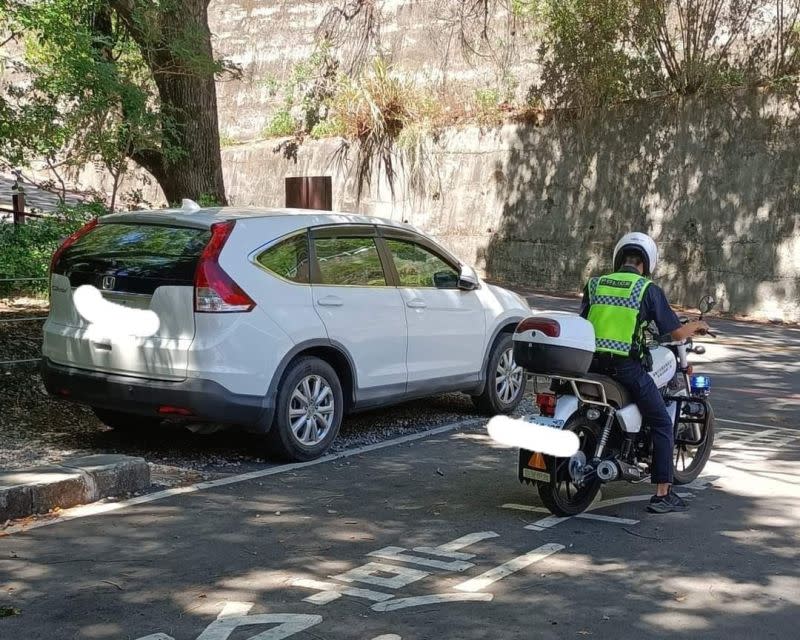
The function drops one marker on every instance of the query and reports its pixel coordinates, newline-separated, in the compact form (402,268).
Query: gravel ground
(36,429)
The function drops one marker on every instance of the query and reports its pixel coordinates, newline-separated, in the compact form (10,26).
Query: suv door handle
(416,303)
(330,301)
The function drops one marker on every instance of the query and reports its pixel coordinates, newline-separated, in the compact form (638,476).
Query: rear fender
(566,405)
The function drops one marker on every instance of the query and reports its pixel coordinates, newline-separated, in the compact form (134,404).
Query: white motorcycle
(614,444)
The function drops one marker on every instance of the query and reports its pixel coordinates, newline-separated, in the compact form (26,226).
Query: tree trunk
(191,104)
(189,164)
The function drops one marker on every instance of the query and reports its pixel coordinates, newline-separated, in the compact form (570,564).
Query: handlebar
(666,338)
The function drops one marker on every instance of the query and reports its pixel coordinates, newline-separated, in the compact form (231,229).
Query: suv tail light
(547,326)
(69,242)
(546,403)
(214,290)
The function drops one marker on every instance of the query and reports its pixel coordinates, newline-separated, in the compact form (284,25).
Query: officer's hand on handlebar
(702,328)
(689,329)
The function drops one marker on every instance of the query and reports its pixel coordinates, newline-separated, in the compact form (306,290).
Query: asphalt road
(435,538)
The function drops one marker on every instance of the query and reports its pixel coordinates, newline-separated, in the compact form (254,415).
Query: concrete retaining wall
(715,182)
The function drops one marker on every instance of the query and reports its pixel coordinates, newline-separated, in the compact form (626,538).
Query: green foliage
(306,96)
(328,128)
(28,247)
(589,52)
(599,52)
(227,141)
(487,104)
(88,78)
(383,111)
(90,95)
(207,200)
(280,125)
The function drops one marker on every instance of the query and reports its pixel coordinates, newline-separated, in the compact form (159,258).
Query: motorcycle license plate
(544,421)
(535,468)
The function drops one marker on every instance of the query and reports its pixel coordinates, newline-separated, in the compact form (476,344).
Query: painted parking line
(330,591)
(111,507)
(746,424)
(486,579)
(551,521)
(437,598)
(89,510)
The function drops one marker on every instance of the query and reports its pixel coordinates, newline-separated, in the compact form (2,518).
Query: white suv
(278,320)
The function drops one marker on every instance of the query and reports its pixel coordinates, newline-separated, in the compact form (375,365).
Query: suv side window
(349,260)
(288,259)
(418,267)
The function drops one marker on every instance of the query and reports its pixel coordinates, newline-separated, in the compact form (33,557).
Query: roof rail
(189,205)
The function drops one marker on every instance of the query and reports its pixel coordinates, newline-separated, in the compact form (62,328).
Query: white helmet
(641,242)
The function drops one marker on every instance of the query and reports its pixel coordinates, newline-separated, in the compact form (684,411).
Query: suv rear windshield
(134,258)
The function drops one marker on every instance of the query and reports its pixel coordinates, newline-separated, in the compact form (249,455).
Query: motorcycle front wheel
(561,495)
(689,461)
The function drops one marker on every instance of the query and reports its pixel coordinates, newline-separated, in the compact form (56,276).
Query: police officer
(620,306)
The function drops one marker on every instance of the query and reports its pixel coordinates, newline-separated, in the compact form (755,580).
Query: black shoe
(666,504)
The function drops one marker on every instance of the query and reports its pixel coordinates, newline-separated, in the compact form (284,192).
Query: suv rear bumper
(207,400)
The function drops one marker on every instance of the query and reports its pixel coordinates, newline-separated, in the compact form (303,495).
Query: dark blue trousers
(632,375)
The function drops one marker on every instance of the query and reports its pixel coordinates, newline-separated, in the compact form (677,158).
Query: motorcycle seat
(616,394)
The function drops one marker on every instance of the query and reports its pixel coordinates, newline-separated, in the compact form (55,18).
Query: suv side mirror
(467,279)
(445,280)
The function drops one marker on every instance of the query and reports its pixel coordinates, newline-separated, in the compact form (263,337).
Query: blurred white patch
(513,432)
(110,319)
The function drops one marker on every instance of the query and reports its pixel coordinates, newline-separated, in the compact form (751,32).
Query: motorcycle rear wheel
(560,495)
(683,472)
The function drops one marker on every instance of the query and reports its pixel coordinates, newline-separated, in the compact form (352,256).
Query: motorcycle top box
(554,344)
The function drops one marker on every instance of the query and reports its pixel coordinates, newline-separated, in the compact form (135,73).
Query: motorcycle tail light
(546,403)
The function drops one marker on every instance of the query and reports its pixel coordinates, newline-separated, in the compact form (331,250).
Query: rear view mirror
(706,304)
(467,279)
(699,350)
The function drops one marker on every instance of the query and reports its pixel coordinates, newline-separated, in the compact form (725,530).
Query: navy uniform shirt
(655,307)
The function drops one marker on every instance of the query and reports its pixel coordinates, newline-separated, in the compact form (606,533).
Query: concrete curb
(75,481)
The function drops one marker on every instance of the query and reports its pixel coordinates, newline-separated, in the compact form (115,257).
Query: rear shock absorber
(605,435)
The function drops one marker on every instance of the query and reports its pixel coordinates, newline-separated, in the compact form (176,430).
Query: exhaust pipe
(607,471)
(610,470)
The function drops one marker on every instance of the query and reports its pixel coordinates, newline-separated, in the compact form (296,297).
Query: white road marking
(288,625)
(546,523)
(397,553)
(368,574)
(467,540)
(157,636)
(436,551)
(486,579)
(105,508)
(330,591)
(450,549)
(102,509)
(551,521)
(747,424)
(601,518)
(419,601)
(235,609)
(388,636)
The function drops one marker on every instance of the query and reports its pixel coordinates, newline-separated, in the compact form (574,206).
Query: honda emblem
(108,282)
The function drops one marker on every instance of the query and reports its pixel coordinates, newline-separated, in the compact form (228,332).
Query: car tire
(505,381)
(125,422)
(309,410)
